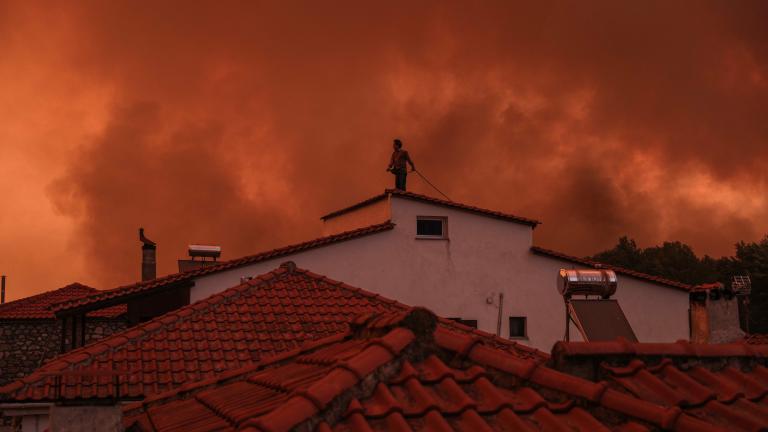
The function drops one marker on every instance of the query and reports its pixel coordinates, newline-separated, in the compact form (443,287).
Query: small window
(468,323)
(431,227)
(518,328)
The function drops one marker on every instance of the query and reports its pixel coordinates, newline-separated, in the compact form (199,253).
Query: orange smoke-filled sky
(241,123)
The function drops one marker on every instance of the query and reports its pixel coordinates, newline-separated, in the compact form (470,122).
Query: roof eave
(622,271)
(120,299)
(228,265)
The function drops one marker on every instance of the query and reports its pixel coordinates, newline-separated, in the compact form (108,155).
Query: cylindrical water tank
(586,282)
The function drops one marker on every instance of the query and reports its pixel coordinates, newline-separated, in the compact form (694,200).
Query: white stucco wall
(455,278)
(656,313)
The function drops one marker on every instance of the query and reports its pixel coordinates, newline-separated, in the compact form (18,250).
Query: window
(431,227)
(468,323)
(518,327)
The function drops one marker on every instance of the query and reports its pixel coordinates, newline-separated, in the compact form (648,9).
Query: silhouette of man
(397,164)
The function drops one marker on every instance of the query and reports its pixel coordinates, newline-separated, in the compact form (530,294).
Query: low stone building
(30,334)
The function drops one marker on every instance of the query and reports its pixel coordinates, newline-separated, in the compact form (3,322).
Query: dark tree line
(677,261)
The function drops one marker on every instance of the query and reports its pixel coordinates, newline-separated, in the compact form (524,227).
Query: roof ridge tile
(540,374)
(293,411)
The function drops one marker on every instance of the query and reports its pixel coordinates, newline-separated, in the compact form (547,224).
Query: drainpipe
(501,308)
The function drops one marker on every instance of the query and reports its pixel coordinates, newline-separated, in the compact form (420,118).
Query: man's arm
(408,159)
(391,162)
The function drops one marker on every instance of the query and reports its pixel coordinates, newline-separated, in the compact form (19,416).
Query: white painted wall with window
(462,272)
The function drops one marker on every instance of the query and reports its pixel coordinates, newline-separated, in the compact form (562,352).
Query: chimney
(148,257)
(202,252)
(714,314)
(2,290)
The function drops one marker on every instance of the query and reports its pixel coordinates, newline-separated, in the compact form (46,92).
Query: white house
(458,260)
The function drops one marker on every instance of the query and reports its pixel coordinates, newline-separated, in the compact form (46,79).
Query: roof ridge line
(622,270)
(545,376)
(343,376)
(231,264)
(33,296)
(679,349)
(439,201)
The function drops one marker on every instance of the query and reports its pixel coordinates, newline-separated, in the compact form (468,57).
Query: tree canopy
(677,261)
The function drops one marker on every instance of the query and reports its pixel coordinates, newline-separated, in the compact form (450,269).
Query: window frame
(444,223)
(525,327)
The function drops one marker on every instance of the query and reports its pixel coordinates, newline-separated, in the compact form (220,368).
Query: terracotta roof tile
(142,287)
(39,306)
(264,317)
(424,198)
(724,385)
(620,270)
(413,386)
(449,384)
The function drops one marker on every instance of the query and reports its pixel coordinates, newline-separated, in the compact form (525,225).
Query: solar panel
(600,320)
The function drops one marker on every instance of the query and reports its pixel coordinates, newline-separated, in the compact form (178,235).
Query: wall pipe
(501,308)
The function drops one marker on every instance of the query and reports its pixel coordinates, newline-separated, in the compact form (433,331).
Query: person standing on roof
(397,164)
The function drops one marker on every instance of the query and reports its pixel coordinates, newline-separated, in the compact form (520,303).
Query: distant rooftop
(39,306)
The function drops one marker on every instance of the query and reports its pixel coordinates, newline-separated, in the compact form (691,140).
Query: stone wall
(104,418)
(26,344)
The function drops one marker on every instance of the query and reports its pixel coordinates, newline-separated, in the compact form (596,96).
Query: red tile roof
(424,198)
(128,291)
(39,306)
(401,372)
(725,385)
(274,313)
(620,270)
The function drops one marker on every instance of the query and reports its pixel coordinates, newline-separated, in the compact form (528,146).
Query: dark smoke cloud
(240,123)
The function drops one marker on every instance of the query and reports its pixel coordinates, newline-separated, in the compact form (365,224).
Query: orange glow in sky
(240,124)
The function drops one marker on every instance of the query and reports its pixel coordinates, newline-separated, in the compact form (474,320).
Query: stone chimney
(714,314)
(148,257)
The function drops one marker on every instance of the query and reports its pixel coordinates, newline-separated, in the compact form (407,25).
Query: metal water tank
(587,282)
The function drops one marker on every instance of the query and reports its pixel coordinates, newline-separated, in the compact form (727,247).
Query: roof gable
(436,201)
(39,306)
(274,313)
